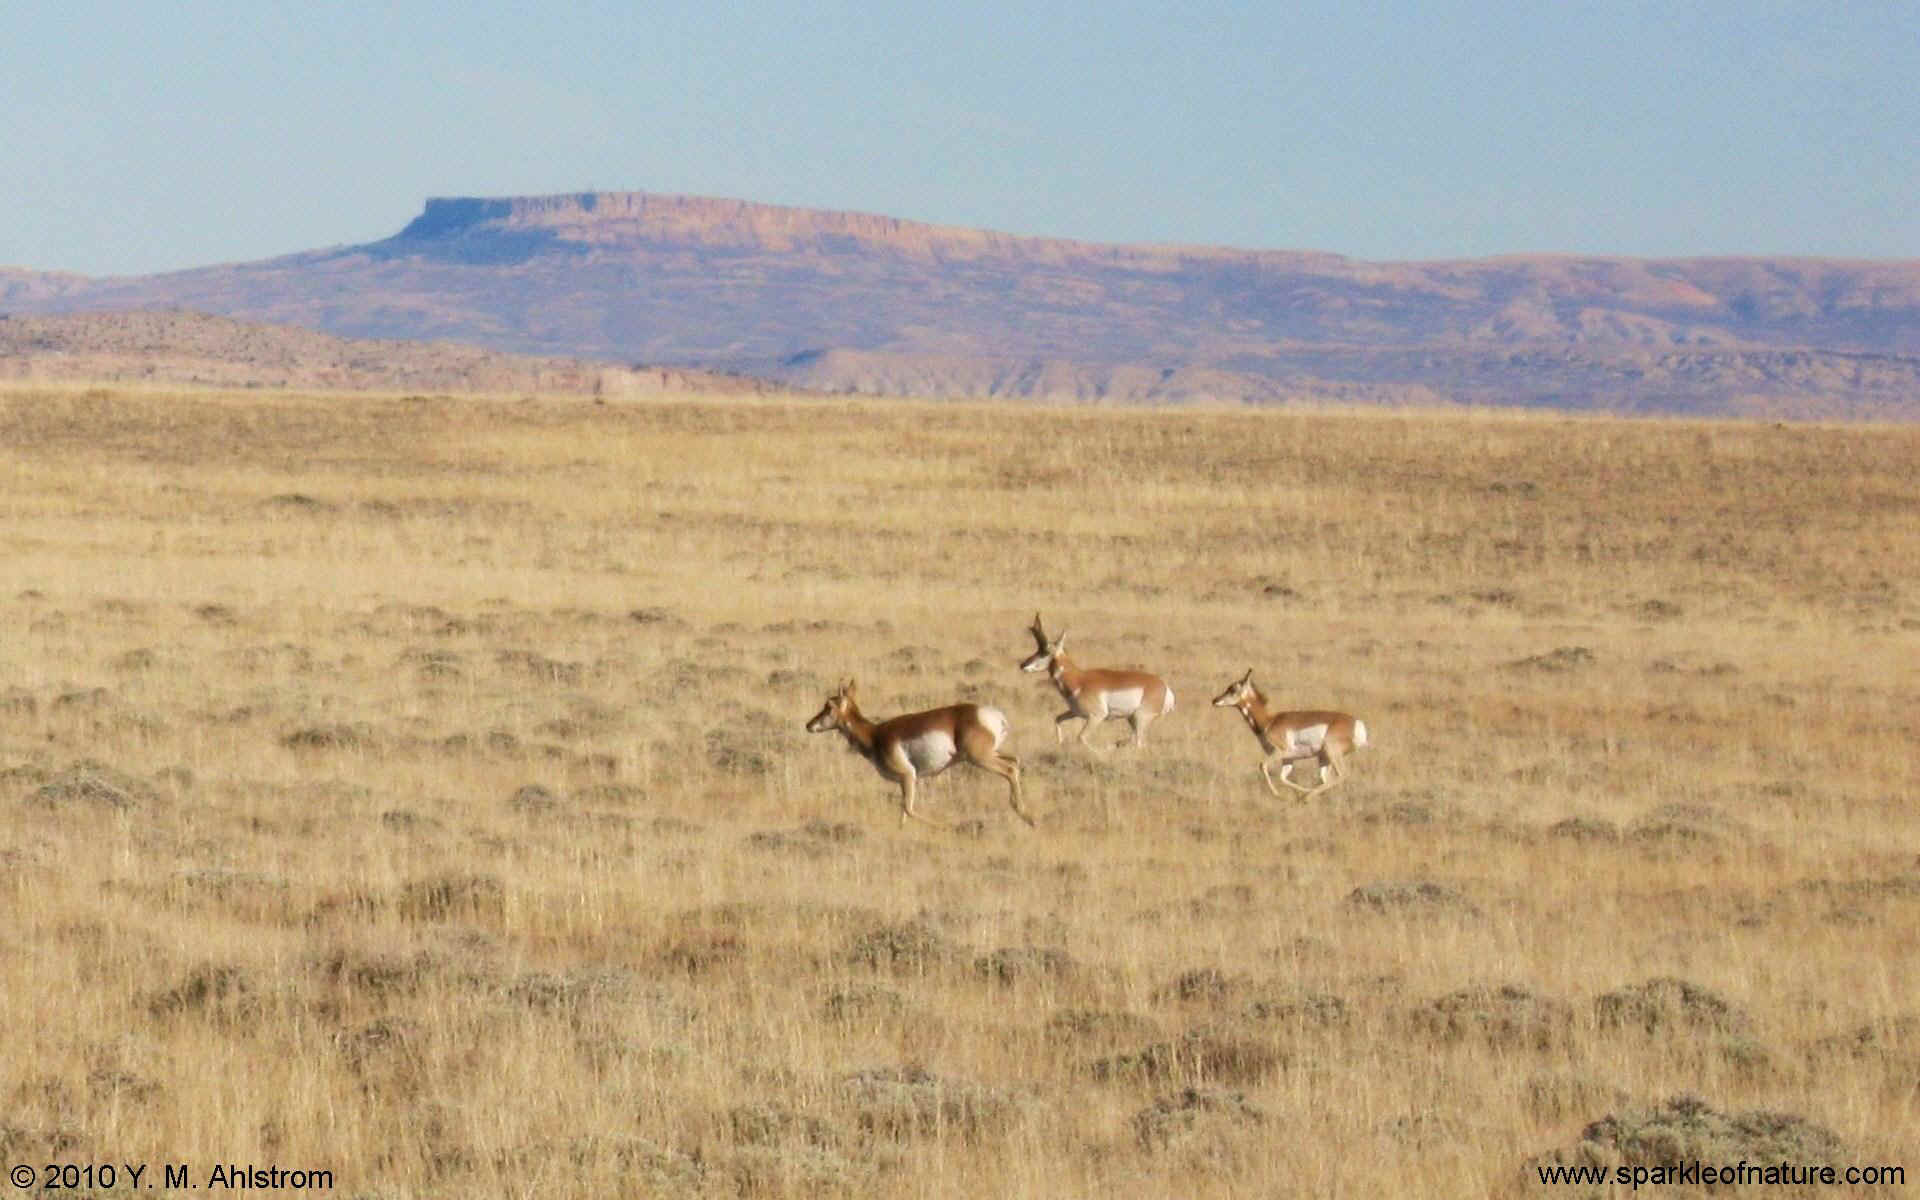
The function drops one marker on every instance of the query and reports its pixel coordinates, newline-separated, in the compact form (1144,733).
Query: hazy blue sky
(139,136)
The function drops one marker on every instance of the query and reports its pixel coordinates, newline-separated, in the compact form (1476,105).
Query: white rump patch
(1359,734)
(996,723)
(1167,705)
(930,753)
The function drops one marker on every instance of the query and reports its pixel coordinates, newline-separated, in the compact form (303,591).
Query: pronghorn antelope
(923,744)
(1294,737)
(1095,694)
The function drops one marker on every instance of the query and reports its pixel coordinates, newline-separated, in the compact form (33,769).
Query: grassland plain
(415,788)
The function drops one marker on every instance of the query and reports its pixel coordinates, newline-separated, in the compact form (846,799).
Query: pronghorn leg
(1139,721)
(1333,770)
(982,751)
(906,804)
(1268,775)
(1286,777)
(1086,731)
(1008,767)
(1059,723)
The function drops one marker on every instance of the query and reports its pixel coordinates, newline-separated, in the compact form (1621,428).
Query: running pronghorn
(1295,737)
(1095,694)
(923,744)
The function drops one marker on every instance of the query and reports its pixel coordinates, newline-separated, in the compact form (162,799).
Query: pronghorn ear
(847,691)
(1248,677)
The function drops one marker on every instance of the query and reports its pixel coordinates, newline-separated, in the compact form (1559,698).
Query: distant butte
(858,302)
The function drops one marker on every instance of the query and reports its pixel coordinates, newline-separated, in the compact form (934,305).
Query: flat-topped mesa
(605,218)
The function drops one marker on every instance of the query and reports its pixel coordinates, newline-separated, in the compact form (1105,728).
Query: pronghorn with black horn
(1295,737)
(923,744)
(1095,694)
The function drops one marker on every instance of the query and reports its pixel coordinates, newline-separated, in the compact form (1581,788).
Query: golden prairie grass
(415,788)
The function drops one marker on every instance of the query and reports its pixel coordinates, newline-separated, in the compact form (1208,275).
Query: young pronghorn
(1295,737)
(923,744)
(1095,694)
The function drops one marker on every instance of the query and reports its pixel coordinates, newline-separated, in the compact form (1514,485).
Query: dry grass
(416,789)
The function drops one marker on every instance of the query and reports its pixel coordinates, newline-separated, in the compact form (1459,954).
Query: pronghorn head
(1238,693)
(833,714)
(1046,649)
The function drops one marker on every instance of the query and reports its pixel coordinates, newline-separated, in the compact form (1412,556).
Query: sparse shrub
(765,1124)
(1853,901)
(1197,1056)
(85,699)
(1686,1129)
(1748,1056)
(1411,897)
(218,992)
(539,667)
(533,800)
(573,989)
(1012,964)
(96,785)
(388,1054)
(111,1085)
(1098,1024)
(840,832)
(1202,985)
(863,1001)
(1298,1009)
(136,661)
(433,666)
(902,1103)
(804,1170)
(815,839)
(1667,1004)
(910,948)
(728,752)
(252,895)
(1402,812)
(1172,1118)
(405,820)
(1889,1047)
(643,1168)
(1585,829)
(449,897)
(374,973)
(337,736)
(353,906)
(1507,1016)
(699,951)
(1554,662)
(1873,1040)
(1683,828)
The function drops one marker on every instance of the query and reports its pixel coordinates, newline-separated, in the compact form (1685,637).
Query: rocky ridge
(858,302)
